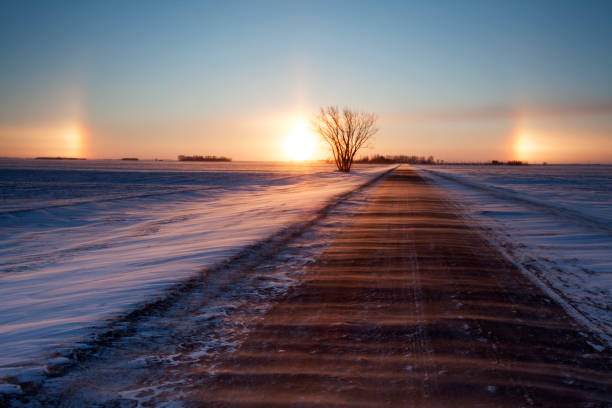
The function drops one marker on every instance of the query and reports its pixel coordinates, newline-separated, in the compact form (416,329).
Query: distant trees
(379,159)
(509,163)
(376,159)
(345,132)
(204,158)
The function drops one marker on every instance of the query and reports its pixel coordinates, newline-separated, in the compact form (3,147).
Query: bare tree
(345,132)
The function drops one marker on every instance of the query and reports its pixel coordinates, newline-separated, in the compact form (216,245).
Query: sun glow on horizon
(300,143)
(51,140)
(72,141)
(524,146)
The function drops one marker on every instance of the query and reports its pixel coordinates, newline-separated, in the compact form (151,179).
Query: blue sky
(459,80)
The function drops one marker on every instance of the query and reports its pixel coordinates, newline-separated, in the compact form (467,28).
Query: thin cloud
(501,112)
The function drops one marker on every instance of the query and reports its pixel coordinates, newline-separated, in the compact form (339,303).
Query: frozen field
(81,241)
(555,222)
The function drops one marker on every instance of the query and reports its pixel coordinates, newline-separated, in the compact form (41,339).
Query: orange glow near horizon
(287,135)
(524,146)
(300,143)
(72,141)
(65,140)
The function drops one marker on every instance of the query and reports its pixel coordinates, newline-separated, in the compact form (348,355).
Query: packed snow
(83,241)
(554,222)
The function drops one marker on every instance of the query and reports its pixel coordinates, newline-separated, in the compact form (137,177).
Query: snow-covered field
(83,241)
(554,222)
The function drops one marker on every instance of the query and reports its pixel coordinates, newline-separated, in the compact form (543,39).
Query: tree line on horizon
(204,158)
(388,159)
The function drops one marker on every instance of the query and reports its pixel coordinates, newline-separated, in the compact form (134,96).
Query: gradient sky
(466,81)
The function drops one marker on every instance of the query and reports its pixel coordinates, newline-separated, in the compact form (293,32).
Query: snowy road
(408,306)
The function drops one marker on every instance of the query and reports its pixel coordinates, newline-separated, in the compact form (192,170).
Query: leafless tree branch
(345,132)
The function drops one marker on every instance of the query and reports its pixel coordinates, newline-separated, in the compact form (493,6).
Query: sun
(300,143)
(524,146)
(72,141)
